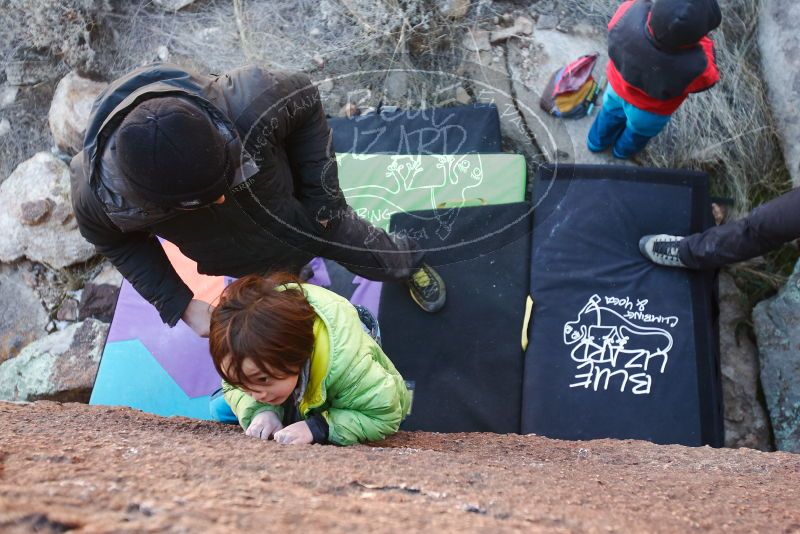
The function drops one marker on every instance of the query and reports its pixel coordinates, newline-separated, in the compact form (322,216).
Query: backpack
(571,91)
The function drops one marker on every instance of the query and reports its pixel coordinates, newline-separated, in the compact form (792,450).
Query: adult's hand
(198,316)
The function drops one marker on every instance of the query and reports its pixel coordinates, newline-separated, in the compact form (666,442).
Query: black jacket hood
(128,210)
(678,23)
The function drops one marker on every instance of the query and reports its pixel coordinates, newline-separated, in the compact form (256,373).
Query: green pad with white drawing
(379,185)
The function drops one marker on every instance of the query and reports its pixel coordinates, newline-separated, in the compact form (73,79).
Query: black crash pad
(619,347)
(451,130)
(466,361)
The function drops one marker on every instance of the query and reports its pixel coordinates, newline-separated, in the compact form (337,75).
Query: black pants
(765,228)
(368,251)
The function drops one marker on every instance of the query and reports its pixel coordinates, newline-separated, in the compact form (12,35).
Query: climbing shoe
(661,249)
(427,288)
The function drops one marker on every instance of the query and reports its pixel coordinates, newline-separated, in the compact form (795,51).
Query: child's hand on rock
(264,425)
(295,434)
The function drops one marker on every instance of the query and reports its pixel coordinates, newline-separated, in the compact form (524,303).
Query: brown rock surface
(35,211)
(98,301)
(118,470)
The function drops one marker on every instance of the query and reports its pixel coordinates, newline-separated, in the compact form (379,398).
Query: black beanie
(678,23)
(172,154)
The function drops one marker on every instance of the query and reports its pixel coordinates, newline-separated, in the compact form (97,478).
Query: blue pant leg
(608,124)
(640,127)
(220,410)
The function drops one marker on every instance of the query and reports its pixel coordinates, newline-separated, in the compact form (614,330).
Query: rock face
(777,326)
(746,423)
(22,316)
(36,218)
(61,366)
(780,60)
(70,110)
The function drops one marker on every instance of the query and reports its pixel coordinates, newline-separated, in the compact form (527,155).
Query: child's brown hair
(257,320)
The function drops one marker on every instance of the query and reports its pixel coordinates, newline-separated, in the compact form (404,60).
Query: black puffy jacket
(286,181)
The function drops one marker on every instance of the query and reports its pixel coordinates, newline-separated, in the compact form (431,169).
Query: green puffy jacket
(351,382)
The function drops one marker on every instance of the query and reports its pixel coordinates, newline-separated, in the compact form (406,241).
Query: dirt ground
(99,469)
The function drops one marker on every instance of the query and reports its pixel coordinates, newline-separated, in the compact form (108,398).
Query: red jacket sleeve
(620,11)
(710,76)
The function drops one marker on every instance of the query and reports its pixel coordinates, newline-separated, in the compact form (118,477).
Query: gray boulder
(779,42)
(36,219)
(70,110)
(22,316)
(777,326)
(60,367)
(746,422)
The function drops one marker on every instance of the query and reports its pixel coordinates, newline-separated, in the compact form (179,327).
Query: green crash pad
(380,185)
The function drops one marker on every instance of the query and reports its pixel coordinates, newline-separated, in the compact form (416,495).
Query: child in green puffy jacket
(298,355)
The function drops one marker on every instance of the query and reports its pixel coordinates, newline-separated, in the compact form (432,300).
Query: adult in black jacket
(235,169)
(766,228)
